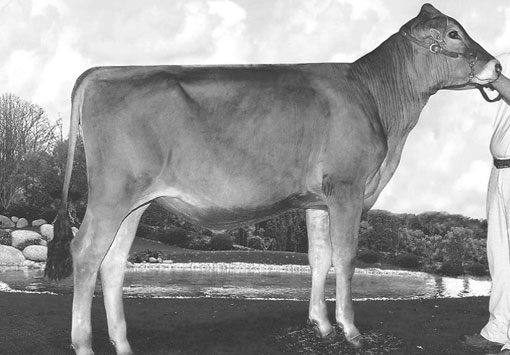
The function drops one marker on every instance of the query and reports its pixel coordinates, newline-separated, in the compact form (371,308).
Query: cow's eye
(454,35)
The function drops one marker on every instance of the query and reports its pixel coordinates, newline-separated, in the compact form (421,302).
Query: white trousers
(498,253)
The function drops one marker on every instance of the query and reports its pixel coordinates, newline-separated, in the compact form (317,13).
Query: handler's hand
(502,85)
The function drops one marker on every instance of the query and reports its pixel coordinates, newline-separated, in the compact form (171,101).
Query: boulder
(75,230)
(10,255)
(21,236)
(36,253)
(38,222)
(5,222)
(14,219)
(28,263)
(47,232)
(22,223)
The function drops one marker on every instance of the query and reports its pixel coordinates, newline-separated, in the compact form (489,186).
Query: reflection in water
(175,283)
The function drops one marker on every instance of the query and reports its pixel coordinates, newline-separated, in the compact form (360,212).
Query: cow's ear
(436,34)
(425,27)
(428,20)
(430,10)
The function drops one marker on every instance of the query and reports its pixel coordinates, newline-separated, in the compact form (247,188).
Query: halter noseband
(438,46)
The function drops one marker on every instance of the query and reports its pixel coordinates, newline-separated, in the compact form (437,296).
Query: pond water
(185,283)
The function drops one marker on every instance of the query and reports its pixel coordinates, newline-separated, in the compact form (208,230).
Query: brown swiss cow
(224,146)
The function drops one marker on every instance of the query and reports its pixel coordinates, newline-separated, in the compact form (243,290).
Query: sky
(46,44)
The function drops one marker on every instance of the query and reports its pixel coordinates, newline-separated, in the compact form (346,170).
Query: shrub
(476,269)
(408,260)
(143,256)
(5,237)
(432,267)
(25,211)
(369,256)
(49,215)
(200,243)
(221,242)
(255,242)
(450,268)
(172,236)
(26,243)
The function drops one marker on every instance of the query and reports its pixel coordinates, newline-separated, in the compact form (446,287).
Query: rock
(14,219)
(10,255)
(160,260)
(22,223)
(36,253)
(28,263)
(153,260)
(38,222)
(19,237)
(75,230)
(47,232)
(5,222)
(43,242)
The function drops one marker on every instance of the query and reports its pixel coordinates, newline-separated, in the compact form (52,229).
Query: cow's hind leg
(345,204)
(88,248)
(319,256)
(112,278)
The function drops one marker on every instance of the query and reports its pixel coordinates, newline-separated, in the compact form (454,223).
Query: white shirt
(500,141)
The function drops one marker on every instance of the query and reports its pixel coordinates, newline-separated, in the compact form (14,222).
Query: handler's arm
(502,85)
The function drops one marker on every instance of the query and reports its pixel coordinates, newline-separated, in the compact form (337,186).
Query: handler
(497,330)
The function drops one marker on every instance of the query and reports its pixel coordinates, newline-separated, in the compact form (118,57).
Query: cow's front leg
(345,205)
(319,256)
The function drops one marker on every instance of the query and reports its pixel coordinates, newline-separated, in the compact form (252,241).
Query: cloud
(316,30)
(469,180)
(231,41)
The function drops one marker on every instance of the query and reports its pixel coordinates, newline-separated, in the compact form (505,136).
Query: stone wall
(24,243)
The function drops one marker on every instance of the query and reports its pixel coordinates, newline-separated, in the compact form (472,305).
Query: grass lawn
(180,255)
(40,324)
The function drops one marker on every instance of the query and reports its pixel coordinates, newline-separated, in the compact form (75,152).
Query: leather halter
(437,46)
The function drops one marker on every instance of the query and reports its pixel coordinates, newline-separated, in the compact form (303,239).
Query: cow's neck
(400,86)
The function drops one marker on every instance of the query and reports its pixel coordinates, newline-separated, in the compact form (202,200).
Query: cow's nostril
(498,68)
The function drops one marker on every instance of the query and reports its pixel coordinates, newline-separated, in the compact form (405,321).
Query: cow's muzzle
(488,74)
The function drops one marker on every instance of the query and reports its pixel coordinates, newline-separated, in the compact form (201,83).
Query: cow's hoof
(356,341)
(79,351)
(317,332)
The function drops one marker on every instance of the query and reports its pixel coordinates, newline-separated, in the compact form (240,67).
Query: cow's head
(468,64)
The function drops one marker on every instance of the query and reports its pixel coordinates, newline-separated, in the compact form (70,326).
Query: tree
(26,137)
(383,236)
(47,194)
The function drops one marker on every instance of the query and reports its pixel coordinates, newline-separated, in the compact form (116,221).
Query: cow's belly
(218,218)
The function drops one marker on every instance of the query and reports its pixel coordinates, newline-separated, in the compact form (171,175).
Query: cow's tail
(59,263)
